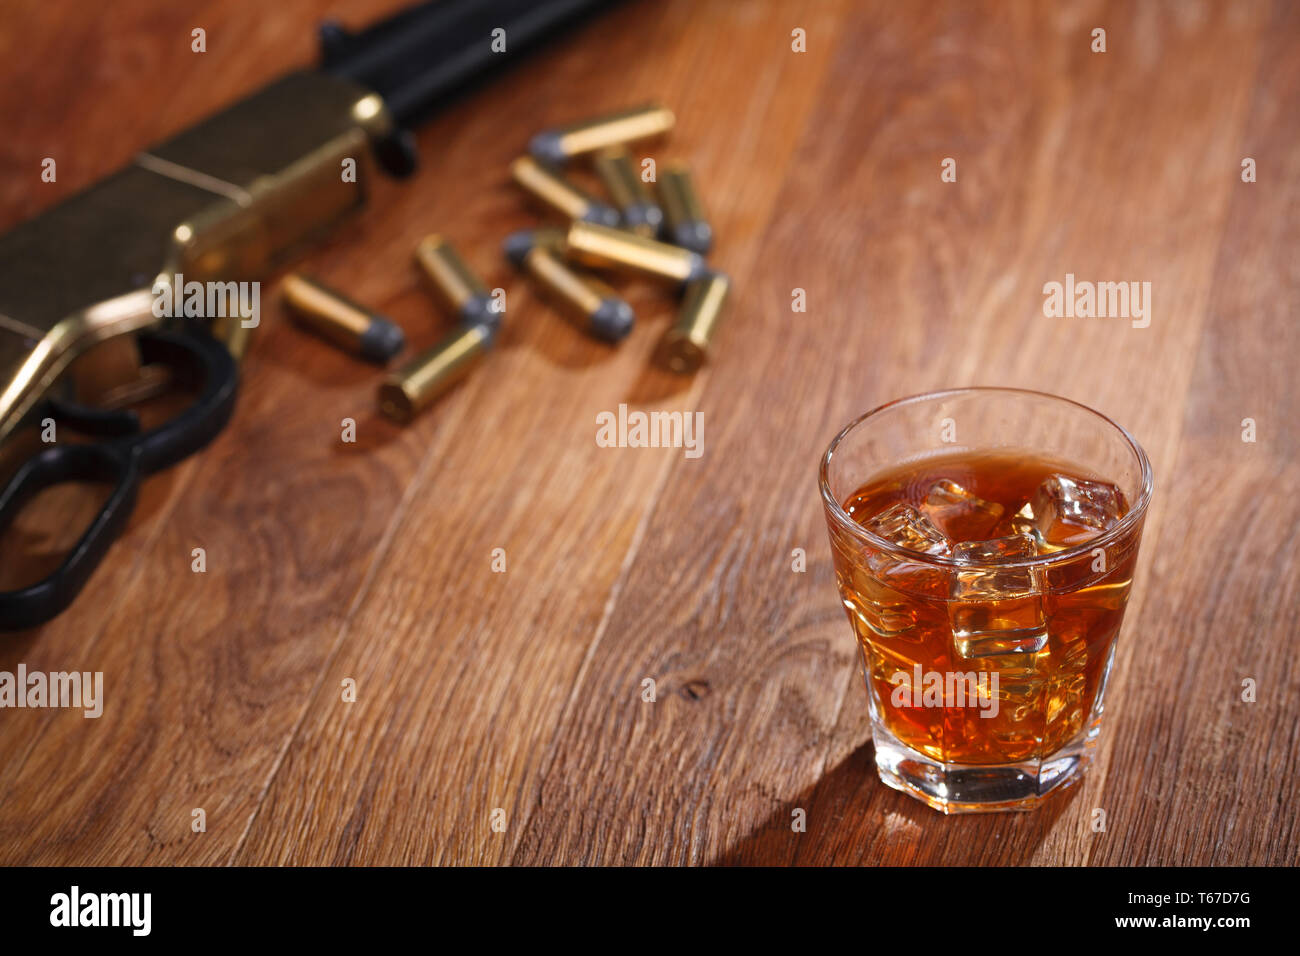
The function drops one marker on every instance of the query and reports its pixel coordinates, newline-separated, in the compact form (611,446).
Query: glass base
(972,788)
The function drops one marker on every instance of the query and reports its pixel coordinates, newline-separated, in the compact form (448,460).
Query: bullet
(685,223)
(586,301)
(594,245)
(556,146)
(637,207)
(686,344)
(452,282)
(518,244)
(556,193)
(341,320)
(431,373)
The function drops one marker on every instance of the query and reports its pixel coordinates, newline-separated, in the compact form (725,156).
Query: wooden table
(499,717)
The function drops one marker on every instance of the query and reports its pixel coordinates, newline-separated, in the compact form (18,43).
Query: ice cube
(905,526)
(960,515)
(987,579)
(890,617)
(1066,688)
(996,610)
(876,606)
(1068,511)
(1022,522)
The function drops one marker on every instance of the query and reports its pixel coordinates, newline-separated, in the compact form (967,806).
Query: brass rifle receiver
(227,200)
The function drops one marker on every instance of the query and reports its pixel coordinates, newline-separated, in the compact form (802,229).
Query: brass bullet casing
(556,193)
(686,344)
(340,320)
(453,283)
(592,305)
(431,373)
(685,223)
(641,214)
(556,146)
(601,246)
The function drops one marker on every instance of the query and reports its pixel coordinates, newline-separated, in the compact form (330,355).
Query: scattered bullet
(555,146)
(640,213)
(430,374)
(686,344)
(591,304)
(686,224)
(595,245)
(518,244)
(454,284)
(340,320)
(556,193)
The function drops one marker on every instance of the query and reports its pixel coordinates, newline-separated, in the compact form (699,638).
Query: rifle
(230,200)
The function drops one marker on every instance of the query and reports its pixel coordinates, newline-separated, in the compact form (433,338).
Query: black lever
(124,457)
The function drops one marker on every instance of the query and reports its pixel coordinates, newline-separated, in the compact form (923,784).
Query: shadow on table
(852,819)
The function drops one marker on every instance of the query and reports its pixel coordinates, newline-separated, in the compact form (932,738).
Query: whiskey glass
(985,672)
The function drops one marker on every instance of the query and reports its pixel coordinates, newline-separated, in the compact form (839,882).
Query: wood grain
(519,694)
